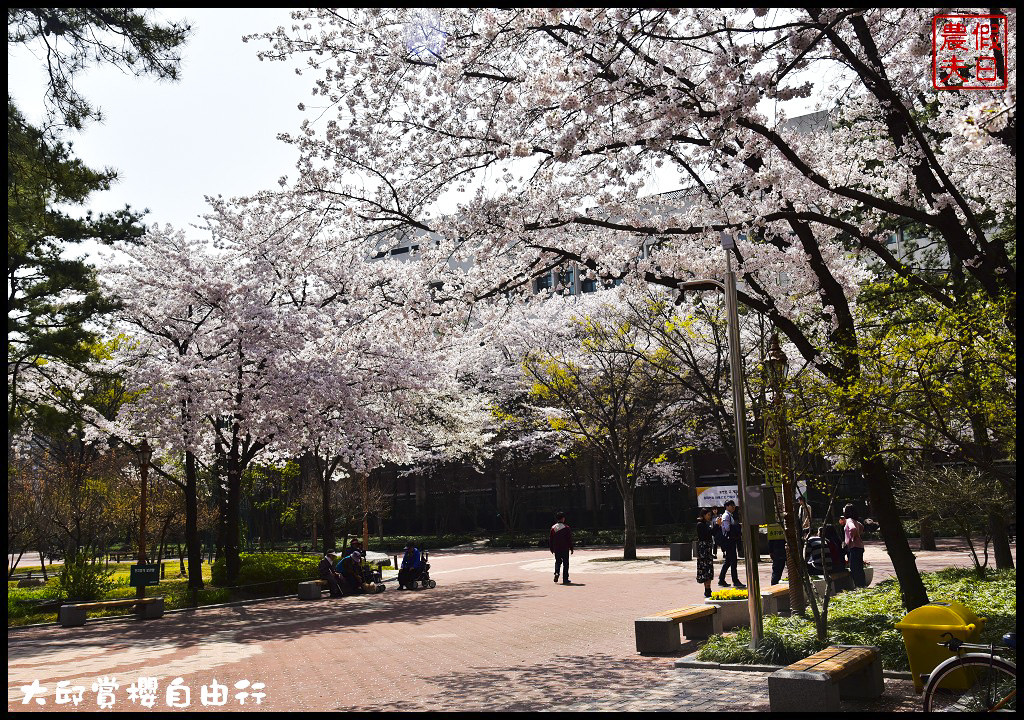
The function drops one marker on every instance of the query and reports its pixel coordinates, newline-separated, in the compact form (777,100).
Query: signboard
(719,495)
(144,575)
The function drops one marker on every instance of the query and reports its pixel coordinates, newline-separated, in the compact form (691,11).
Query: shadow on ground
(283,619)
(557,683)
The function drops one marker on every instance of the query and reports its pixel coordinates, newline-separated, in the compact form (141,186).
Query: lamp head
(145,453)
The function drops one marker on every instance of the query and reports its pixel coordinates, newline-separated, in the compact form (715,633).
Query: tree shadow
(286,619)
(556,683)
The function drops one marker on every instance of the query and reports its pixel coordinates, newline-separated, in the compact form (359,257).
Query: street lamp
(145,454)
(739,416)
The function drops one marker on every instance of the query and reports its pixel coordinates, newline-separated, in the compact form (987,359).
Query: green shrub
(267,568)
(80,579)
(868,617)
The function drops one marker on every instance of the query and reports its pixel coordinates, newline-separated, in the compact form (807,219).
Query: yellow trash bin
(925,627)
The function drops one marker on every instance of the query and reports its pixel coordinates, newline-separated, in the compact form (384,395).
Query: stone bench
(818,682)
(73,614)
(659,633)
(775,600)
(310,589)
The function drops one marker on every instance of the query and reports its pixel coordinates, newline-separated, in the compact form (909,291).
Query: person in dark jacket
(716,531)
(412,563)
(350,571)
(328,574)
(705,547)
(560,544)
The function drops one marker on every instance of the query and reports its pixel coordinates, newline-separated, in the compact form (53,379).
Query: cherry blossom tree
(547,126)
(248,347)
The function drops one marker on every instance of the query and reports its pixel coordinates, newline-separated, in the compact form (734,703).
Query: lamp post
(145,453)
(739,416)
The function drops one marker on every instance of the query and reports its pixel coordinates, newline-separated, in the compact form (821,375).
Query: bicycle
(973,682)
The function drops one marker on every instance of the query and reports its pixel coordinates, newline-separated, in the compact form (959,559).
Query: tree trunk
(629,519)
(883,501)
(927,541)
(193,545)
(327,513)
(1000,541)
(232,528)
(364,482)
(42,563)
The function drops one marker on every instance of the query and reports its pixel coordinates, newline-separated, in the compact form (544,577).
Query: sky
(212,132)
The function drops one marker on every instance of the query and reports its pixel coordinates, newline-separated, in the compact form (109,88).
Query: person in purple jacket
(560,545)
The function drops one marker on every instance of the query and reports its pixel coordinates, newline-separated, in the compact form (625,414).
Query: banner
(719,495)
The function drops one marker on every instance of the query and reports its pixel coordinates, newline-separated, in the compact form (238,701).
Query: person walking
(560,544)
(705,548)
(730,535)
(854,545)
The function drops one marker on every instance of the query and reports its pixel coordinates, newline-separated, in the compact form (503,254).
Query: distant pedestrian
(854,545)
(730,536)
(776,551)
(716,530)
(560,543)
(705,548)
(805,517)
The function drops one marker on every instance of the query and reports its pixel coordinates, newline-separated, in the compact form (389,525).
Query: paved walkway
(496,634)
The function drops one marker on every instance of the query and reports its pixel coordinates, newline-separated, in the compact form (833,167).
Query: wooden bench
(659,633)
(775,599)
(73,614)
(818,682)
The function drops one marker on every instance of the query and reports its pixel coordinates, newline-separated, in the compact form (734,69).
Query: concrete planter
(734,613)
(680,551)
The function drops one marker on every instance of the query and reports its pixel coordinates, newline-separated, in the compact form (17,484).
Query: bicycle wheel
(974,683)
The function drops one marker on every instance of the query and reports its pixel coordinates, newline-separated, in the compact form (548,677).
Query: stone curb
(691,661)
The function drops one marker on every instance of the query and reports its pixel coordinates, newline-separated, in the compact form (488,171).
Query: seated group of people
(347,576)
(344,576)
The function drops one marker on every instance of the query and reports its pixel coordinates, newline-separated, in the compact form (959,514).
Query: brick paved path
(496,634)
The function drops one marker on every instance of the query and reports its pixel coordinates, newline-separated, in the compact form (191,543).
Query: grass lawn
(261,575)
(868,617)
(22,603)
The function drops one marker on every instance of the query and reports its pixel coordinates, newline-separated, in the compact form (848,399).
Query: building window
(543,282)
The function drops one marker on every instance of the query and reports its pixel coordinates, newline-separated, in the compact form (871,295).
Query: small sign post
(144,575)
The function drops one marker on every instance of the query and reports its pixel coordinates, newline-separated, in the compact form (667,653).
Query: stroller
(419,578)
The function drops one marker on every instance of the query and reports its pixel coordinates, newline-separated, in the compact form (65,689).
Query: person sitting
(412,565)
(329,575)
(821,554)
(350,571)
(831,536)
